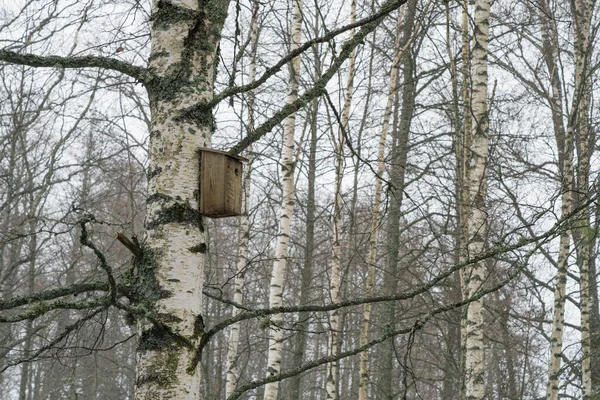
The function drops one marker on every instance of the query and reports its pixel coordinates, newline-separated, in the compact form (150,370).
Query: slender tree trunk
(399,157)
(334,289)
(564,141)
(462,149)
(185,38)
(561,275)
(307,269)
(374,231)
(244,231)
(583,236)
(287,207)
(453,355)
(476,220)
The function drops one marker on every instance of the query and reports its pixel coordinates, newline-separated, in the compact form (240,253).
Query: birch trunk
(334,289)
(462,148)
(185,37)
(564,141)
(287,208)
(244,232)
(476,220)
(374,231)
(307,268)
(583,236)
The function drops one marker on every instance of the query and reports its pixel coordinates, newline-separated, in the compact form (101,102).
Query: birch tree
(398,159)
(564,141)
(244,231)
(476,223)
(336,258)
(582,11)
(287,209)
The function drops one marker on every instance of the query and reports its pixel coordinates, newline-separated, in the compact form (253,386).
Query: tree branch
(385,10)
(132,247)
(85,240)
(141,74)
(318,87)
(52,294)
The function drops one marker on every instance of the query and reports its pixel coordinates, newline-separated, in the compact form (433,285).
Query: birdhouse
(220,186)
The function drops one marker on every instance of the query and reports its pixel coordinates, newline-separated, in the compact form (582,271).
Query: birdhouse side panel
(233,191)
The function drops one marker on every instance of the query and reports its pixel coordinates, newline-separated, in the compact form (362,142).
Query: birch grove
(409,195)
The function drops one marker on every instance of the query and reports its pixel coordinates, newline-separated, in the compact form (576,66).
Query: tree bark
(583,236)
(476,220)
(399,156)
(183,55)
(336,259)
(244,230)
(287,208)
(564,143)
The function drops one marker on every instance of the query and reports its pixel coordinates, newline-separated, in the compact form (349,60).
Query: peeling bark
(185,36)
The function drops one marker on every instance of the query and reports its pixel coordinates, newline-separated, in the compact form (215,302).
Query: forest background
(420,200)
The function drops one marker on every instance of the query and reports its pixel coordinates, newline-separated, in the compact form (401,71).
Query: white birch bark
(374,231)
(556,338)
(477,189)
(464,143)
(170,278)
(582,15)
(334,289)
(564,141)
(287,208)
(244,231)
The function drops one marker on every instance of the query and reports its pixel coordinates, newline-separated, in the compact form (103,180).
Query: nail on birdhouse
(220,186)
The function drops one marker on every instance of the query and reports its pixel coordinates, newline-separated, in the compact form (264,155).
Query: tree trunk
(399,158)
(307,269)
(564,143)
(476,220)
(583,237)
(244,231)
(185,38)
(462,149)
(374,231)
(336,259)
(287,207)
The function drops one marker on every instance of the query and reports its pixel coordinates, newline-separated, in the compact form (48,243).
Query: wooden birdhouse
(220,187)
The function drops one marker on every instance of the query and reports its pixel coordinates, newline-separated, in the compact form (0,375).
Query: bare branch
(52,294)
(132,247)
(85,240)
(374,18)
(141,74)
